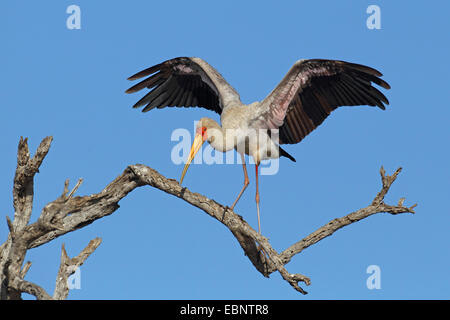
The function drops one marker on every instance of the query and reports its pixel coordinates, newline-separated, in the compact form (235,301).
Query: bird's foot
(229,208)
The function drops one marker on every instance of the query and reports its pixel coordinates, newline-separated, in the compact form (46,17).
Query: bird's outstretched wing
(311,90)
(183,82)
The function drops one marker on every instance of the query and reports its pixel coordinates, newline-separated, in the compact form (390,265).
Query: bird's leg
(263,255)
(246,181)
(257,198)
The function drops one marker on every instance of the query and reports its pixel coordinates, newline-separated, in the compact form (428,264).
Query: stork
(303,99)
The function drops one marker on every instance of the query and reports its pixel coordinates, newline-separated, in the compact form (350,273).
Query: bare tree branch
(31,288)
(12,253)
(25,269)
(23,180)
(377,206)
(68,267)
(68,213)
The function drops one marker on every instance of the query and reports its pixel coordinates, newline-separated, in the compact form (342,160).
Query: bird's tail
(283,153)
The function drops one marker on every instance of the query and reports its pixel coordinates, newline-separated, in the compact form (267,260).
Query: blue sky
(70,84)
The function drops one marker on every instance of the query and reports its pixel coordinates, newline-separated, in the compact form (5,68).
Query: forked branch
(68,213)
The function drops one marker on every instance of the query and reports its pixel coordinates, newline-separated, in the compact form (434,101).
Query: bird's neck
(220,140)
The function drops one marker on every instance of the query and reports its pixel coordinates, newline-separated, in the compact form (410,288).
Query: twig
(80,181)
(25,269)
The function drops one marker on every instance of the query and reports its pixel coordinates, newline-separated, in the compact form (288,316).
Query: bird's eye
(204,135)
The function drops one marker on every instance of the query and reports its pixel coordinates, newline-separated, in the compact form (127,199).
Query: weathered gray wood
(68,213)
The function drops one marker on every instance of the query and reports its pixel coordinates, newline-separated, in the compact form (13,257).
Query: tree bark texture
(68,213)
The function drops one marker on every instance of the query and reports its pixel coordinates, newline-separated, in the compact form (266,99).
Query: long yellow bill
(198,141)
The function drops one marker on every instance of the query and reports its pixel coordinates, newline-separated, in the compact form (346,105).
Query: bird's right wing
(183,82)
(311,90)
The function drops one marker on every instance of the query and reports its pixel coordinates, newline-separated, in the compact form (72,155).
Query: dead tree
(69,213)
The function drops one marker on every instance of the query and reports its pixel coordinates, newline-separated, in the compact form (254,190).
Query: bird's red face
(201,136)
(201,131)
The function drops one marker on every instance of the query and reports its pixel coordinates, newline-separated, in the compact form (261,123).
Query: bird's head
(205,130)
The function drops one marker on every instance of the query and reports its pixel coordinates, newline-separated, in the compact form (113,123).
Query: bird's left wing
(183,82)
(311,90)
